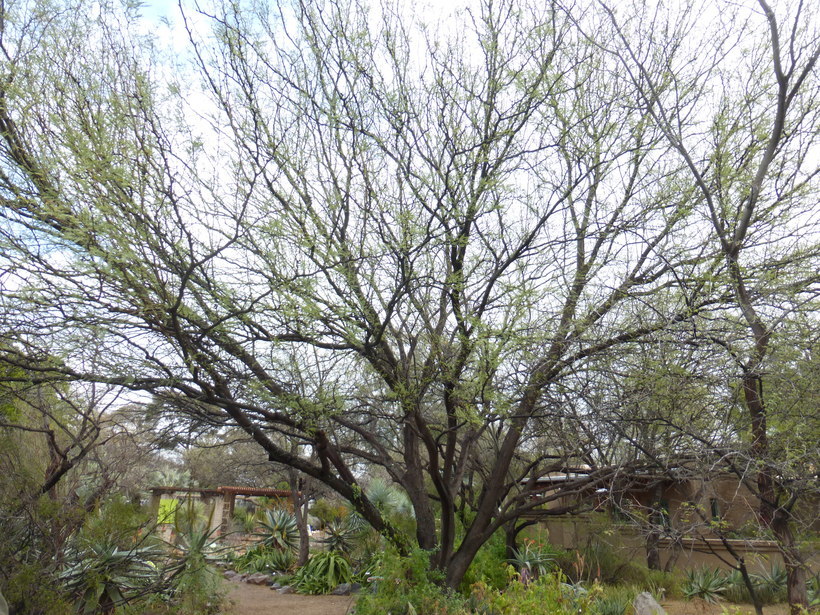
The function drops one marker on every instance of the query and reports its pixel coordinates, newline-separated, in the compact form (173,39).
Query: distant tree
(741,112)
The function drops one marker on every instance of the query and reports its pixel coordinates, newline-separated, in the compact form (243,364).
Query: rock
(275,585)
(287,589)
(645,604)
(231,575)
(343,589)
(258,579)
(355,588)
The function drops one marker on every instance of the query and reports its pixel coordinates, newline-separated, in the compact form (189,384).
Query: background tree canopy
(445,250)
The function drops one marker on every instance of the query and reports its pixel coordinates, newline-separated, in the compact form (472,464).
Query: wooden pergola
(223,514)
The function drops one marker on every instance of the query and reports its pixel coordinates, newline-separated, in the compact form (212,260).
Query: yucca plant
(704,583)
(279,529)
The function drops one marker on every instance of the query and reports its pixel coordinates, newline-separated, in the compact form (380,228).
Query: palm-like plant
(279,529)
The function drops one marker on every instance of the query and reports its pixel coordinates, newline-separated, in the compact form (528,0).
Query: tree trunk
(653,555)
(796,587)
(300,511)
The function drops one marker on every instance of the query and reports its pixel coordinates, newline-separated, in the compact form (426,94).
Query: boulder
(343,589)
(231,575)
(287,589)
(645,604)
(258,579)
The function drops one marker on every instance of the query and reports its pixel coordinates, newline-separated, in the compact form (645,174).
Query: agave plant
(279,529)
(103,576)
(341,536)
(531,561)
(704,583)
(281,561)
(193,580)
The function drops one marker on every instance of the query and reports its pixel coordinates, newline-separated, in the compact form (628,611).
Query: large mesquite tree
(346,232)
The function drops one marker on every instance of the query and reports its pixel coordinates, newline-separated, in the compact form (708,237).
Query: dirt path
(245,599)
(699,607)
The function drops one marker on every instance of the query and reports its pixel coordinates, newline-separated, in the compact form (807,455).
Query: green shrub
(662,584)
(326,511)
(814,592)
(615,600)
(548,594)
(408,585)
(49,599)
(322,573)
(489,565)
(244,520)
(282,561)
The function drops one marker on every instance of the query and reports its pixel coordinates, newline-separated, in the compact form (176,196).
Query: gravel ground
(246,599)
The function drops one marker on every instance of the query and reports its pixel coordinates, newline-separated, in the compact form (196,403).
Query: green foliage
(49,599)
(282,561)
(194,583)
(600,561)
(265,559)
(704,583)
(408,585)
(322,573)
(101,575)
(489,566)
(548,594)
(770,587)
(279,529)
(615,600)
(533,560)
(190,515)
(326,511)
(342,536)
(814,592)
(115,517)
(245,520)
(167,510)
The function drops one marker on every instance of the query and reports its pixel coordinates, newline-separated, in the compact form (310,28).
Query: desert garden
(469,307)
